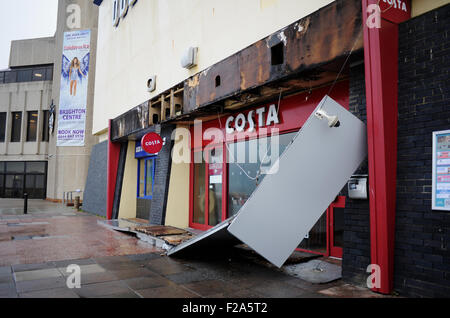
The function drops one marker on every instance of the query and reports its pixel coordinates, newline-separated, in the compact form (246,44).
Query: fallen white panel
(213,239)
(312,171)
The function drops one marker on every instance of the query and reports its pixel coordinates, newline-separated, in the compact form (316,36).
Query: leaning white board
(312,171)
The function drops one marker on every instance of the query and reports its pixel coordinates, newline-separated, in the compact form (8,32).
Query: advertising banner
(441,170)
(74,89)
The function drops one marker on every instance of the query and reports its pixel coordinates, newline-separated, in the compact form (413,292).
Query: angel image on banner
(75,71)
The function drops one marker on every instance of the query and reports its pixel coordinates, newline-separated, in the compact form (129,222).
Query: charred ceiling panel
(134,120)
(323,37)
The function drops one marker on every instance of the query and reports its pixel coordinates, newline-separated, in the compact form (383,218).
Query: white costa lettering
(240,122)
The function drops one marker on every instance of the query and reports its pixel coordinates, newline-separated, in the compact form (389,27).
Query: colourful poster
(441,170)
(74,89)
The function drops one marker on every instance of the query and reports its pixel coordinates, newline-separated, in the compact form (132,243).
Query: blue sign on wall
(139,152)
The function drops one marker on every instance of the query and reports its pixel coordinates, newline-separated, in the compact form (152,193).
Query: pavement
(36,250)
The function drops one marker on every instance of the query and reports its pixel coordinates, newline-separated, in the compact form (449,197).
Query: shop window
(15,167)
(39,74)
(11,77)
(2,77)
(14,186)
(199,193)
(32,120)
(2,126)
(24,75)
(316,240)
(45,129)
(16,126)
(277,53)
(146,178)
(2,184)
(49,73)
(35,167)
(248,162)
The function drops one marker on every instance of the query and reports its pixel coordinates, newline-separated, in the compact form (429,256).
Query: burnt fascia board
(309,43)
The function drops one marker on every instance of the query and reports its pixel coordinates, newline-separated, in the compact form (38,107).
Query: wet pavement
(52,232)
(35,251)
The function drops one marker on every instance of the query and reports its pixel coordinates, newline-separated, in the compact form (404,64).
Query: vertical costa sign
(74,88)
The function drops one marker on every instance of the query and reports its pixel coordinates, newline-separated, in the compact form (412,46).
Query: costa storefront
(238,149)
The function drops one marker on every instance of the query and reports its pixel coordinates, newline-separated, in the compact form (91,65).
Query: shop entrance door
(208,173)
(336,227)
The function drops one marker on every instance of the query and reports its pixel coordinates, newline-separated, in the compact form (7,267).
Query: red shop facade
(231,154)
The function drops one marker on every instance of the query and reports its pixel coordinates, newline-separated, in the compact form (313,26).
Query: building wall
(68,166)
(127,207)
(356,251)
(95,190)
(32,52)
(23,97)
(422,257)
(177,213)
(419,7)
(154,34)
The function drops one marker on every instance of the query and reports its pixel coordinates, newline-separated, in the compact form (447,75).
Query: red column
(113,164)
(381,74)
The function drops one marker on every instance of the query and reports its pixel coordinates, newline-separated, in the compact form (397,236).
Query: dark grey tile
(129,294)
(190,277)
(5,270)
(102,289)
(50,293)
(211,287)
(6,278)
(31,267)
(143,257)
(94,278)
(171,291)
(279,290)
(62,264)
(147,282)
(133,273)
(166,266)
(40,284)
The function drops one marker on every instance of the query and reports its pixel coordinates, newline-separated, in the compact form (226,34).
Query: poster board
(441,171)
(74,89)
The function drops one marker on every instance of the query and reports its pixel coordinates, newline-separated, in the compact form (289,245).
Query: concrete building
(25,98)
(242,60)
(30,159)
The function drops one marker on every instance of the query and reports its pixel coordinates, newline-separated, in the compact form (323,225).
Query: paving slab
(37,274)
(133,273)
(5,270)
(51,293)
(40,284)
(166,266)
(171,291)
(315,271)
(30,267)
(84,270)
(209,287)
(278,290)
(147,282)
(102,289)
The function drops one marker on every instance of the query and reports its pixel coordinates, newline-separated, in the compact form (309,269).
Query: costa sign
(152,143)
(120,9)
(260,117)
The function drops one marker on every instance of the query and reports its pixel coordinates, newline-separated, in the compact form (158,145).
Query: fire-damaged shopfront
(342,104)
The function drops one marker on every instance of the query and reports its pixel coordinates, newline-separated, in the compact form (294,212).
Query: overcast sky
(25,19)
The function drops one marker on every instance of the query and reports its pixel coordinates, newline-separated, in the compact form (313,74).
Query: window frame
(29,117)
(4,121)
(146,160)
(13,126)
